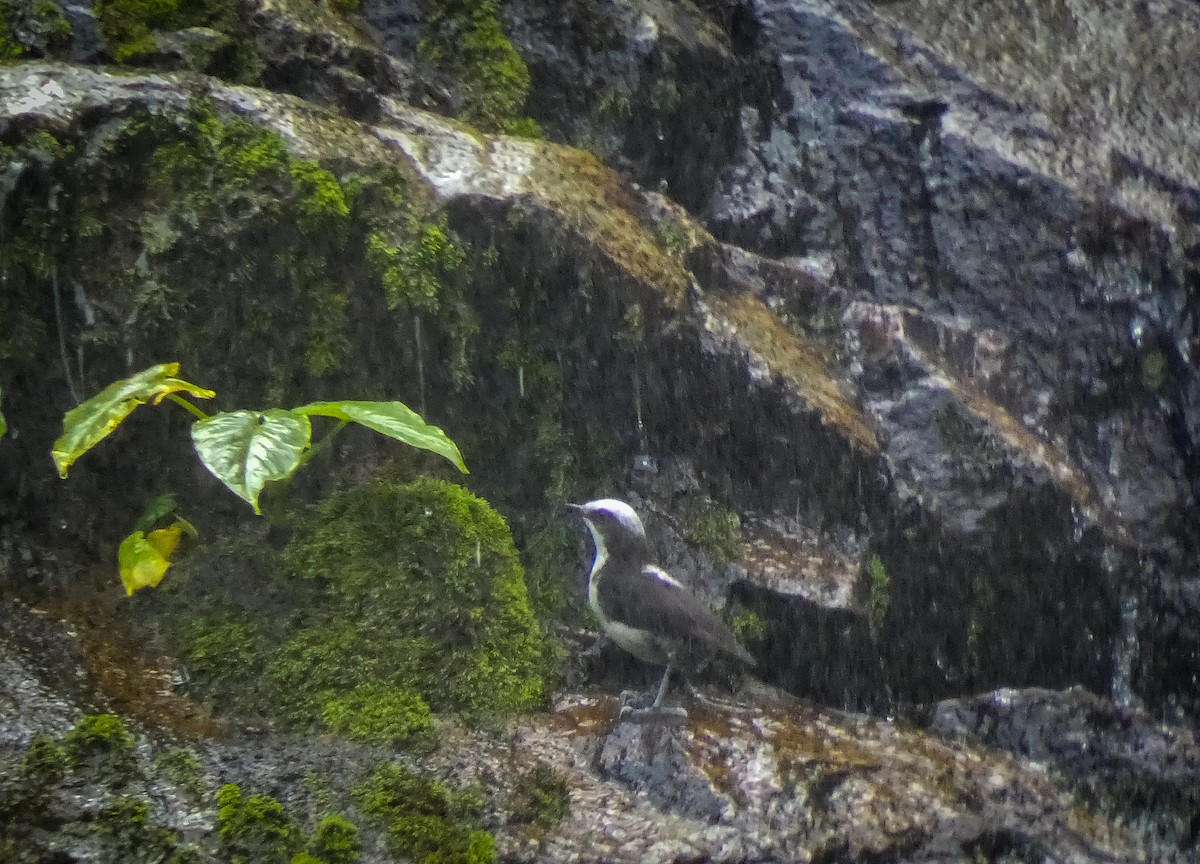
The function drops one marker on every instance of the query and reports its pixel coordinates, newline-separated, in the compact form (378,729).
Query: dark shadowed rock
(1121,759)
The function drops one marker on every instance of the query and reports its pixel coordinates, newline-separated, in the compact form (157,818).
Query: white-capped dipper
(643,609)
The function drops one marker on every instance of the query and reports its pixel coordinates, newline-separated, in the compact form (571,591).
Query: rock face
(912,307)
(770,779)
(997,281)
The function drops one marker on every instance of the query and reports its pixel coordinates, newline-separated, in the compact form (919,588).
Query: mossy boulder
(425,819)
(430,598)
(255,829)
(101,743)
(335,841)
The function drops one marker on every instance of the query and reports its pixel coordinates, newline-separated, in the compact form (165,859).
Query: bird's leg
(656,713)
(662,688)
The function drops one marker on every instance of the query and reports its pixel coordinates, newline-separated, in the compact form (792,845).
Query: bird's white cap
(619,511)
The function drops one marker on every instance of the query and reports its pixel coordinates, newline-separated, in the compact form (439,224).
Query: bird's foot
(698,698)
(665,716)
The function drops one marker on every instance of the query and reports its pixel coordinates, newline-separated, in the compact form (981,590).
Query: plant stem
(188,406)
(323,443)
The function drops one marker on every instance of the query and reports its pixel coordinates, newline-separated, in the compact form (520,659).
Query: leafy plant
(243,449)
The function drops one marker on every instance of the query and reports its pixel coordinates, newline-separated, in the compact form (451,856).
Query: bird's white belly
(639,643)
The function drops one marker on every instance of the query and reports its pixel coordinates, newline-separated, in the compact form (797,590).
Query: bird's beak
(578,508)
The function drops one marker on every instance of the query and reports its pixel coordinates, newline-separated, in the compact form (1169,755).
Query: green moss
(674,237)
(51,21)
(437,594)
(879,600)
(380,714)
(101,743)
(665,98)
(222,648)
(466,38)
(320,791)
(748,625)
(32,28)
(181,766)
(394,601)
(127,25)
(714,529)
(10,48)
(238,60)
(45,762)
(227,211)
(255,829)
(523,127)
(541,797)
(335,841)
(188,854)
(412,272)
(322,204)
(425,819)
(129,833)
(27,787)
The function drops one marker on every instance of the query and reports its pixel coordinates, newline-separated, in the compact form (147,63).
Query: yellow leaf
(143,559)
(164,540)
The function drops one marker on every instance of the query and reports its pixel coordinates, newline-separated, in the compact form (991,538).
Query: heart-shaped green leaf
(88,424)
(393,419)
(245,450)
(143,558)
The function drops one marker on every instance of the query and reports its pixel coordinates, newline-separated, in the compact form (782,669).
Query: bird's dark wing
(651,600)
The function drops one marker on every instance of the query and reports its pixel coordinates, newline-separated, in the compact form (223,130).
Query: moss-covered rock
(33,28)
(541,798)
(428,577)
(391,602)
(103,745)
(335,841)
(715,529)
(467,39)
(425,819)
(129,833)
(26,783)
(214,35)
(379,713)
(181,766)
(203,232)
(255,829)
(127,25)
(45,762)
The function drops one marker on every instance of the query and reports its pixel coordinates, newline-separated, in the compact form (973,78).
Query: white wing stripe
(663,576)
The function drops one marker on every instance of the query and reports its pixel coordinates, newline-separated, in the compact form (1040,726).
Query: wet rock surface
(924,326)
(1144,771)
(1000,281)
(766,777)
